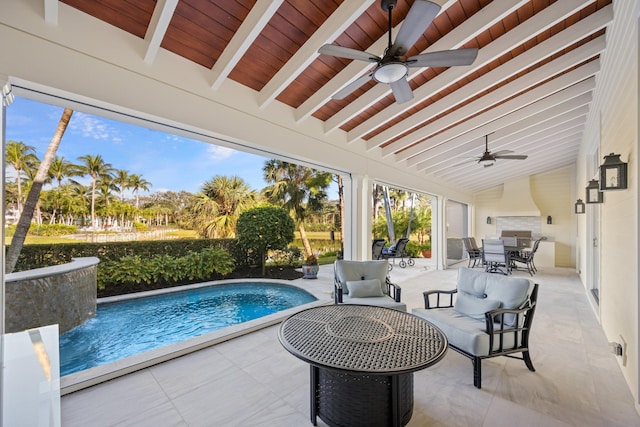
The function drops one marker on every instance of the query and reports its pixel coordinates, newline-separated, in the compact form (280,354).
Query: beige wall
(553,194)
(612,126)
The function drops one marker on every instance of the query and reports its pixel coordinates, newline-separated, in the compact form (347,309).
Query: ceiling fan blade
(345,52)
(401,90)
(513,157)
(345,91)
(420,16)
(502,152)
(444,58)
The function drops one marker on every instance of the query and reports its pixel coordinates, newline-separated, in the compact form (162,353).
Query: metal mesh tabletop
(365,339)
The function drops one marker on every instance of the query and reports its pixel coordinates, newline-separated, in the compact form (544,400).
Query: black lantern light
(579,207)
(549,219)
(613,173)
(594,195)
(488,220)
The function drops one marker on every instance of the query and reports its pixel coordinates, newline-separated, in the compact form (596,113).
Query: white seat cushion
(463,332)
(385,301)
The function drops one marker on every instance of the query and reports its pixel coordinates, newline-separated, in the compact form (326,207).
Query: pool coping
(99,374)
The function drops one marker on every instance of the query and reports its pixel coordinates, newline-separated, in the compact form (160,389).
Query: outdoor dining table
(362,360)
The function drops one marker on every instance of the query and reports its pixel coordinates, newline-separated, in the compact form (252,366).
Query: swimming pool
(133,326)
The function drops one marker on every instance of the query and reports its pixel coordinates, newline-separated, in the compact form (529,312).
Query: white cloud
(220,153)
(92,127)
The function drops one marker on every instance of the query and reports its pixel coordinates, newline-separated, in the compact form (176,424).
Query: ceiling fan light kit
(390,72)
(391,68)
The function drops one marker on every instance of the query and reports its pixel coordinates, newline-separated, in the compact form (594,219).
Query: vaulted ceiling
(529,88)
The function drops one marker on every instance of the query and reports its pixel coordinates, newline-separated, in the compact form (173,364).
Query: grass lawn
(41,240)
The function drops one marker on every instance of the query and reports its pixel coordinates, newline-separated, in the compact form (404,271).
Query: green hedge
(37,256)
(131,272)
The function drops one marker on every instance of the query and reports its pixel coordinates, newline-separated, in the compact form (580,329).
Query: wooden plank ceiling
(529,88)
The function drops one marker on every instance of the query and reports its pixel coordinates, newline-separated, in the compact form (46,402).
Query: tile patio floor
(253,381)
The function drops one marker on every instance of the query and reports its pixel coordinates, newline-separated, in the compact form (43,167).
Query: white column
(358,217)
(3,82)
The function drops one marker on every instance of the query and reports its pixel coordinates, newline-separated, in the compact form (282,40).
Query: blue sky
(168,161)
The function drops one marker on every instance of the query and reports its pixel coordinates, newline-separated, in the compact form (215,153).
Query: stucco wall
(553,194)
(612,126)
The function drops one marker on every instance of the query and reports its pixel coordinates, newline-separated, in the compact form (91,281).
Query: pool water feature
(129,327)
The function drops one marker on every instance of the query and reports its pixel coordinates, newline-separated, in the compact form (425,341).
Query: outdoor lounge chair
(365,282)
(376,248)
(398,251)
(485,316)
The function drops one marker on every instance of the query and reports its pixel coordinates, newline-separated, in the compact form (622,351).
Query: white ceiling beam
(456,38)
(496,98)
(530,28)
(335,25)
(160,19)
(476,24)
(51,12)
(513,107)
(552,105)
(258,17)
(500,173)
(501,73)
(510,172)
(348,74)
(572,129)
(501,138)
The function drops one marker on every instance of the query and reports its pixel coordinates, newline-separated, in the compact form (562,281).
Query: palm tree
(137,183)
(219,205)
(21,157)
(34,193)
(96,167)
(296,188)
(122,180)
(61,169)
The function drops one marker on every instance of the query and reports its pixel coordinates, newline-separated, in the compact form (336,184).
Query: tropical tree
(34,193)
(97,168)
(137,183)
(122,179)
(61,169)
(296,188)
(264,228)
(219,205)
(21,157)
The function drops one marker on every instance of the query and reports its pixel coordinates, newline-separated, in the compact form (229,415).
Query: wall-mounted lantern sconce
(613,173)
(579,207)
(488,220)
(594,195)
(549,219)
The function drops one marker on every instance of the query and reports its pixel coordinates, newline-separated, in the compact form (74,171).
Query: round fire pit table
(362,361)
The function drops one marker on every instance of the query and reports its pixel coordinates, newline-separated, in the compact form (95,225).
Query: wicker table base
(360,400)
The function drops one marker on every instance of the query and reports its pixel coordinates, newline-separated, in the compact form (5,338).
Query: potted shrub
(310,267)
(426,250)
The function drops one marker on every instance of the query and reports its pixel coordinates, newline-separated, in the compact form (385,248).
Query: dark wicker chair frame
(398,251)
(496,330)
(376,248)
(526,258)
(474,253)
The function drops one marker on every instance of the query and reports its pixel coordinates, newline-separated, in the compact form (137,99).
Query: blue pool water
(125,328)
